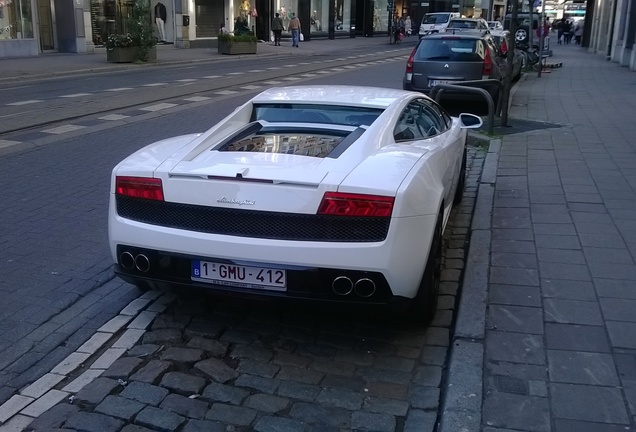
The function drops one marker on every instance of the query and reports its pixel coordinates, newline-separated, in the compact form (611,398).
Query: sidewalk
(546,331)
(60,64)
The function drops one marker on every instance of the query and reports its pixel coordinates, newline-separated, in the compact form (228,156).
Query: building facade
(611,30)
(31,27)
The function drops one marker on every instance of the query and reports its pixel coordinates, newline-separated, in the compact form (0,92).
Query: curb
(462,400)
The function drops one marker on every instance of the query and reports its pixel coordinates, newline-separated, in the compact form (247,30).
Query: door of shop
(47,42)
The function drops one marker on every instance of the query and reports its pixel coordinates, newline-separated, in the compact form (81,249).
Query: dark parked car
(446,58)
(501,38)
(522,34)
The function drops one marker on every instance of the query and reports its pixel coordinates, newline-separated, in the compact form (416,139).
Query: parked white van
(436,22)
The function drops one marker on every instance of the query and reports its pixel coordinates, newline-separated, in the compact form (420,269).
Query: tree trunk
(510,57)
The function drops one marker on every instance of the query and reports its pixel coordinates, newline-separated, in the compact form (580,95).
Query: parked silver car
(502,38)
(446,59)
(467,24)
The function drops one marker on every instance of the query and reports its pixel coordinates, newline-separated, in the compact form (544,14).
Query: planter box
(128,54)
(237,48)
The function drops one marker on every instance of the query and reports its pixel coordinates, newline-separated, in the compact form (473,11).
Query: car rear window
(435,19)
(449,49)
(284,140)
(315,113)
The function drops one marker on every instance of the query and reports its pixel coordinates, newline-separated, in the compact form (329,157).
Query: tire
(522,35)
(461,183)
(423,307)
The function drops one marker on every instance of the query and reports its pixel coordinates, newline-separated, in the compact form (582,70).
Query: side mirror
(470,121)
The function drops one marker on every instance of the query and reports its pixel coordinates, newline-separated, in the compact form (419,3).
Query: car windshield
(302,142)
(435,19)
(453,49)
(462,24)
(315,113)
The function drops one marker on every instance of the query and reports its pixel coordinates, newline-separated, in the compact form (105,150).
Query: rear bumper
(397,263)
(168,271)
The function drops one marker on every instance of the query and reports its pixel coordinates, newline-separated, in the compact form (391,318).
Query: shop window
(16,19)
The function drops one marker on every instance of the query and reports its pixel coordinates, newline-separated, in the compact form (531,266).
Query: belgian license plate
(239,276)
(433,83)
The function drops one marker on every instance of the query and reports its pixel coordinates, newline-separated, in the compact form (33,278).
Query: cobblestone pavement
(210,365)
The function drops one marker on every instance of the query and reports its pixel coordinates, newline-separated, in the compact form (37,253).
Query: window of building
(16,19)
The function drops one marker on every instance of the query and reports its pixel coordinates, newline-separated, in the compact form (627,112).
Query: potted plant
(237,43)
(120,48)
(138,44)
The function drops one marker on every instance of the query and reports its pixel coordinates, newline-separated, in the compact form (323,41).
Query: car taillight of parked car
(139,187)
(409,62)
(504,47)
(347,204)
(487,72)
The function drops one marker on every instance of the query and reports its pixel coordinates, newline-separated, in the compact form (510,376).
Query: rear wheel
(424,305)
(461,182)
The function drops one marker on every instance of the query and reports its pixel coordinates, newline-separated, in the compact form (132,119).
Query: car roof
(468,19)
(460,35)
(373,97)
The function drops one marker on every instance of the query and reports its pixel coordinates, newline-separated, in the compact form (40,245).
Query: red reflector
(346,204)
(409,62)
(487,64)
(139,187)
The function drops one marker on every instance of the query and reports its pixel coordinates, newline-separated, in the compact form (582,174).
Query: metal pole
(531,24)
(541,39)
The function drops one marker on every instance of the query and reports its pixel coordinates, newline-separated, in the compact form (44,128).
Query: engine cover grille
(253,223)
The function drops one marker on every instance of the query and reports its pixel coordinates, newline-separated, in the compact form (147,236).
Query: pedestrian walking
(560,32)
(567,31)
(578,31)
(294,28)
(408,25)
(277,28)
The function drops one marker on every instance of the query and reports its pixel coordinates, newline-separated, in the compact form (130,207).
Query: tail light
(139,187)
(504,47)
(346,204)
(409,62)
(487,65)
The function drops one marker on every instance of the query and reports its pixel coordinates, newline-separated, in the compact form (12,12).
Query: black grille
(253,223)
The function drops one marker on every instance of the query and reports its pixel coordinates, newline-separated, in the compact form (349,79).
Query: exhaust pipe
(142,263)
(364,288)
(342,285)
(126,260)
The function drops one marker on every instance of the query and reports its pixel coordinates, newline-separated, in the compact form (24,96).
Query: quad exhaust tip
(139,262)
(364,288)
(342,285)
(127,261)
(142,263)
